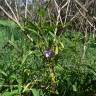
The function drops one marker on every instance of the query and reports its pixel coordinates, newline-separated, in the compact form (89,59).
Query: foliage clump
(47,55)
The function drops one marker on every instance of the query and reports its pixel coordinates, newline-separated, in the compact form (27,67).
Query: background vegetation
(48,48)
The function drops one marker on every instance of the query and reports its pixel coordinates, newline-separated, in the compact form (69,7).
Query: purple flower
(48,53)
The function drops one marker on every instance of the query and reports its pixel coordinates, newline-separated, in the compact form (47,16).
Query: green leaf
(53,35)
(74,88)
(41,12)
(3,73)
(7,23)
(37,92)
(26,55)
(13,93)
(56,50)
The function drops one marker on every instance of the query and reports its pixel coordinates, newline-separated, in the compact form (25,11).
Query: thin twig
(67,11)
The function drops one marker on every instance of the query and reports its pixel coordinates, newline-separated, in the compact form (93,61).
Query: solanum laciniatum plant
(44,57)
